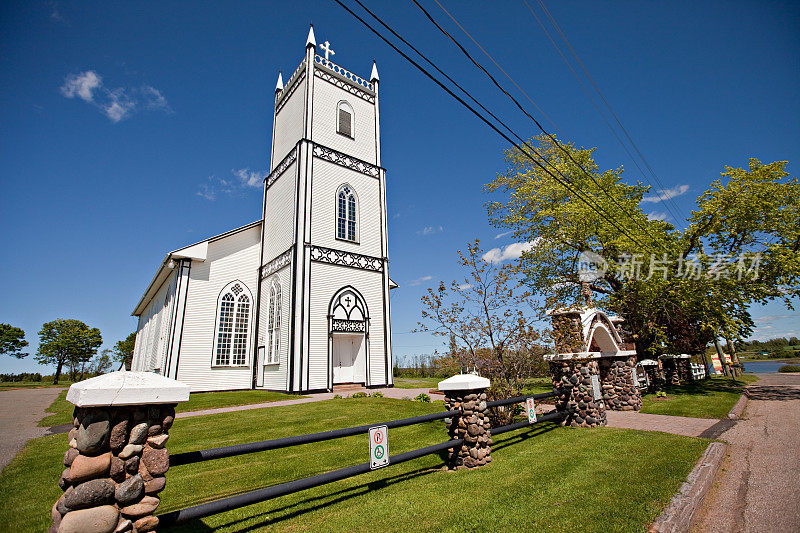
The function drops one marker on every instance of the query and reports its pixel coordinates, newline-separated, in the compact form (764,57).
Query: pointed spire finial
(374,76)
(279,85)
(311,41)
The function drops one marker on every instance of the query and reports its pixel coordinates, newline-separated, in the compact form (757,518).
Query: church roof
(197,251)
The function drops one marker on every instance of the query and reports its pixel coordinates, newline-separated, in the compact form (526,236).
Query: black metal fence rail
(260,495)
(252,447)
(519,399)
(267,493)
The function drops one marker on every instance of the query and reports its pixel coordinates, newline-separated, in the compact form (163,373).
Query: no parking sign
(378,447)
(531,408)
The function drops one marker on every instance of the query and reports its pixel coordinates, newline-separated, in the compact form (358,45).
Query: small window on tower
(345,119)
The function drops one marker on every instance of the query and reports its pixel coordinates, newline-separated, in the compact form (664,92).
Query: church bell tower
(323,316)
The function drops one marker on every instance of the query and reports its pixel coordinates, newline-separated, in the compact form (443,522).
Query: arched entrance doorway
(348,333)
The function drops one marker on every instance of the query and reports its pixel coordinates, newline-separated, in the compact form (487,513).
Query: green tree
(12,341)
(750,214)
(67,341)
(488,321)
(123,350)
(101,363)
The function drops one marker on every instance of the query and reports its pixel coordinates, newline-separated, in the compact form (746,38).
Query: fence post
(467,393)
(117,457)
(572,381)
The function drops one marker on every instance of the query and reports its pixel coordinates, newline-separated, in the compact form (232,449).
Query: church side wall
(275,376)
(326,280)
(326,99)
(153,329)
(289,123)
(279,216)
(234,257)
(327,179)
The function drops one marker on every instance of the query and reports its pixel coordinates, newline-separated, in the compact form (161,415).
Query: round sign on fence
(378,447)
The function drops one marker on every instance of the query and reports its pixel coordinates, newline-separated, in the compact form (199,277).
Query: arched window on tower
(274,323)
(346,214)
(233,325)
(344,119)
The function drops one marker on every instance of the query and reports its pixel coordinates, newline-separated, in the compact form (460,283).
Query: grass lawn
(61,409)
(7,385)
(712,398)
(417,383)
(548,477)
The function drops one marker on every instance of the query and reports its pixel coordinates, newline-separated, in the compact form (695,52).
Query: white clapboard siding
(326,280)
(275,376)
(327,179)
(279,216)
(152,331)
(289,124)
(233,257)
(325,112)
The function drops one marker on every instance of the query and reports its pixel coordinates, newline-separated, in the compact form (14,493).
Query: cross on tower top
(328,50)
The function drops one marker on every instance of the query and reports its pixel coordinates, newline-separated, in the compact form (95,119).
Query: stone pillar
(671,376)
(572,381)
(620,392)
(467,393)
(117,456)
(683,368)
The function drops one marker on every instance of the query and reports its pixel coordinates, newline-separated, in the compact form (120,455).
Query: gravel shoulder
(17,425)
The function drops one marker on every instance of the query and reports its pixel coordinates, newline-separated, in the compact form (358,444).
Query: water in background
(761,367)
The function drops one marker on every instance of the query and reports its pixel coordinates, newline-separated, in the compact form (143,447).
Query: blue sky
(128,130)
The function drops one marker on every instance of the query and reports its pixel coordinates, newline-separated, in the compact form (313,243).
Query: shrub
(424,398)
(376,394)
(789,368)
(359,395)
(337,396)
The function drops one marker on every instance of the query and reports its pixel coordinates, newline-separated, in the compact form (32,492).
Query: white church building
(297,301)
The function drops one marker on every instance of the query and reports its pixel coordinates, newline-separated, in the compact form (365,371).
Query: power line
(521,108)
(670,205)
(565,184)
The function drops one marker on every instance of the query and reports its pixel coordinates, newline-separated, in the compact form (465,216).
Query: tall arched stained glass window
(233,326)
(274,323)
(346,214)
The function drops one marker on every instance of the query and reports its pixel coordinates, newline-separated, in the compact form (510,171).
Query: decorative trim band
(345,84)
(348,259)
(281,168)
(287,92)
(276,264)
(348,326)
(346,161)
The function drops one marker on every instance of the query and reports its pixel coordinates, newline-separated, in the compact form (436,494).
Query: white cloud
(464,286)
(512,251)
(657,216)
(154,99)
(116,104)
(419,281)
(429,230)
(771,318)
(505,233)
(666,194)
(243,180)
(249,178)
(81,85)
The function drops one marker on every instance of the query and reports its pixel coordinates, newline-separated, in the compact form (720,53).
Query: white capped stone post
(467,394)
(117,456)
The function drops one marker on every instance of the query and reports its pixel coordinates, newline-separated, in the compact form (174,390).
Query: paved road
(18,425)
(758,485)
